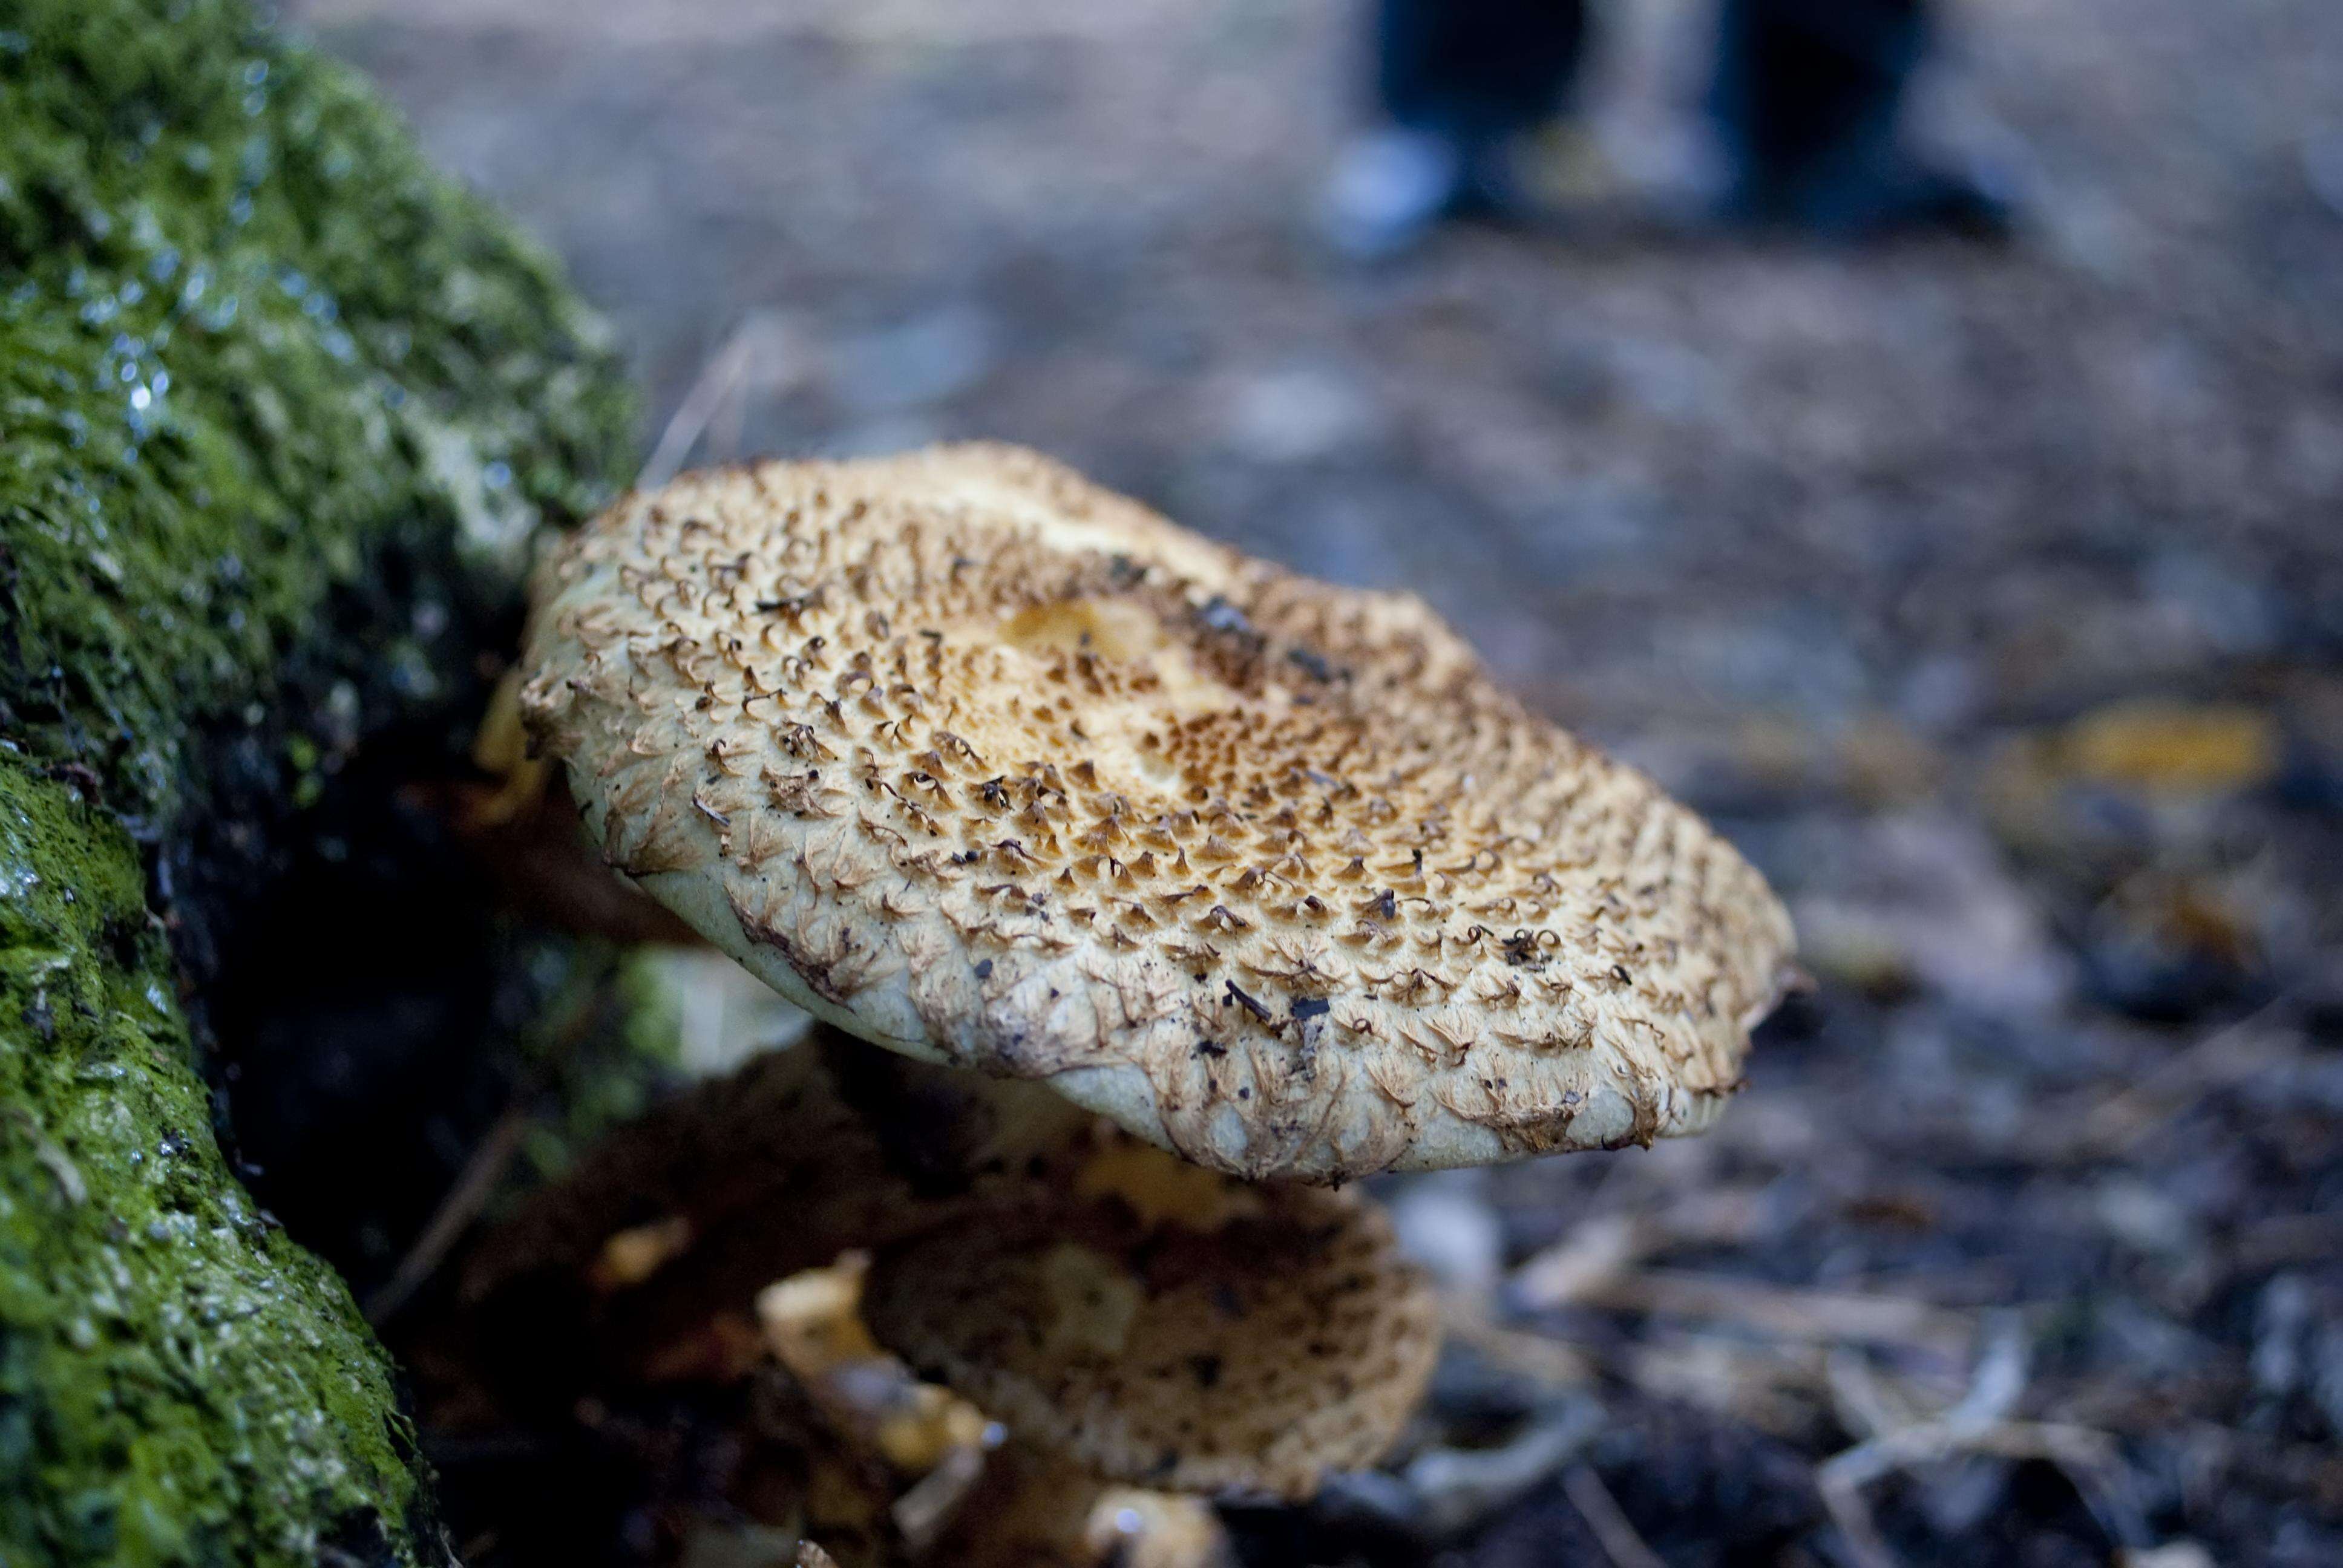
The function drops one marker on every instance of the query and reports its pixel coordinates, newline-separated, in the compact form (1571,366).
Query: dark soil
(1991,598)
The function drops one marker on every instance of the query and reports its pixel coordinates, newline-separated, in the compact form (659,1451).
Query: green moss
(251,347)
(279,411)
(178,1381)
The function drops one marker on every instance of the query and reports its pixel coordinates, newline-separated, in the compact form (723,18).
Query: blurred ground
(1993,600)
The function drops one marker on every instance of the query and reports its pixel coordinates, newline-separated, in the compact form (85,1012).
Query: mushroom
(1197,1336)
(1256,1336)
(980,1500)
(1145,1330)
(985,765)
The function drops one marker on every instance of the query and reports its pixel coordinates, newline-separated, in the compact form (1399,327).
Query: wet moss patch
(178,1381)
(280,412)
(253,350)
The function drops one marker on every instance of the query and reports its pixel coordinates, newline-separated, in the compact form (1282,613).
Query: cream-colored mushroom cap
(1175,1328)
(991,766)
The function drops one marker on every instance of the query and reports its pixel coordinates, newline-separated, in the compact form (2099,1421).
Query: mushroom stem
(1032,1510)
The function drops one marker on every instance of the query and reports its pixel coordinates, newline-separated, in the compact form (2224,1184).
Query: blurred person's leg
(1477,69)
(1457,81)
(1809,96)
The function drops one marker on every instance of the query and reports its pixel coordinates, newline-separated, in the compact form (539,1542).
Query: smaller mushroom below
(1121,1333)
(982,1501)
(1167,1327)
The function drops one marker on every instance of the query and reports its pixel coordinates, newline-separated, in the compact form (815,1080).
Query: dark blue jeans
(1477,69)
(1807,91)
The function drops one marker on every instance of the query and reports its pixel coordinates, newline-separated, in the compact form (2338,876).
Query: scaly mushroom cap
(991,766)
(1172,1327)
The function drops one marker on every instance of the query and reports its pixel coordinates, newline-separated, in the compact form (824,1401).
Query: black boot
(1809,98)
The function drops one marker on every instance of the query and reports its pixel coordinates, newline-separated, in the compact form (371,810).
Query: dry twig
(1461,1487)
(1540,1358)
(1827,1317)
(473,1187)
(762,339)
(1596,1504)
(482,1173)
(1979,1423)
(1596,1252)
(2252,1044)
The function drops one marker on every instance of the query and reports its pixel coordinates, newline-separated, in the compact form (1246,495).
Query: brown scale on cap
(996,769)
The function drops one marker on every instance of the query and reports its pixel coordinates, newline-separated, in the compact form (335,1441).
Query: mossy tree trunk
(280,411)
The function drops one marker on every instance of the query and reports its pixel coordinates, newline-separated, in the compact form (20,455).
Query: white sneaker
(1388,189)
